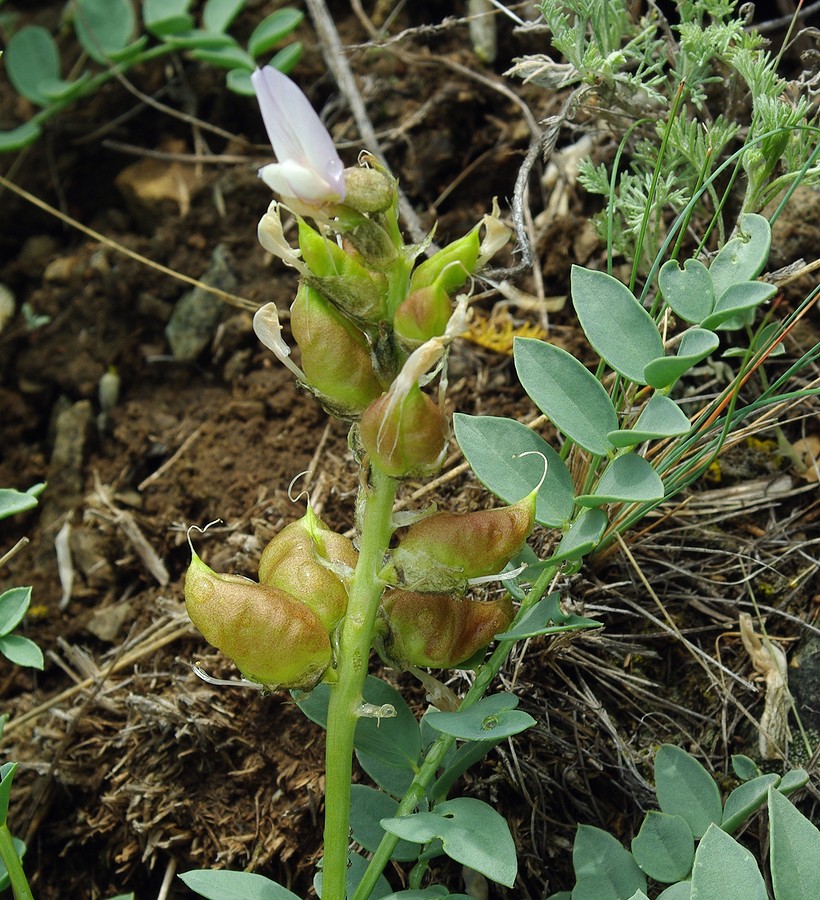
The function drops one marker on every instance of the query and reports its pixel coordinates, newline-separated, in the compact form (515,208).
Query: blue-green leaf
(736,299)
(746,799)
(680,891)
(32,61)
(104,27)
(696,344)
(618,327)
(537,621)
(13,502)
(367,807)
(567,392)
(792,781)
(686,789)
(239,81)
(356,867)
(165,17)
(726,870)
(627,479)
(490,444)
(217,15)
(491,719)
(660,418)
(19,137)
(795,850)
(582,538)
(664,848)
(273,29)
(743,257)
(471,832)
(13,605)
(285,59)
(604,870)
(744,768)
(21,651)
(231,56)
(217,884)
(688,291)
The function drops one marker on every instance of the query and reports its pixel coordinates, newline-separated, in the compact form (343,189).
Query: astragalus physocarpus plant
(373,320)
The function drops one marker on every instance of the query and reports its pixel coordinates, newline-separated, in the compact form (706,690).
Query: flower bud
(404,434)
(451,266)
(306,559)
(335,355)
(440,631)
(272,637)
(423,315)
(443,551)
(368,190)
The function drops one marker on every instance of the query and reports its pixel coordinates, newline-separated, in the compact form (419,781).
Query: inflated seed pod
(440,631)
(272,637)
(404,434)
(304,559)
(335,354)
(451,266)
(422,315)
(444,550)
(357,291)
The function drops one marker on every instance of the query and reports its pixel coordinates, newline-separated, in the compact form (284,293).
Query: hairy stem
(346,695)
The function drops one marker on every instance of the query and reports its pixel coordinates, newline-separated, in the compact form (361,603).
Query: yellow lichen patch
(497,331)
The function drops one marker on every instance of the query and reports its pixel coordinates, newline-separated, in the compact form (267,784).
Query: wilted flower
(308,167)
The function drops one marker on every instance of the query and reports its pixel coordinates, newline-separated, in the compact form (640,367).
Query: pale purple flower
(308,166)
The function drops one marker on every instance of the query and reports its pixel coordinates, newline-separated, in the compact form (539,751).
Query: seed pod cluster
(443,551)
(277,631)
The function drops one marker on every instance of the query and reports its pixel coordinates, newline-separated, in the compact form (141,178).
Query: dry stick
(339,66)
(232,299)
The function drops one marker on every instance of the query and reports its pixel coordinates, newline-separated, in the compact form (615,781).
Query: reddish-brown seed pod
(439,631)
(443,551)
(292,562)
(272,637)
(406,436)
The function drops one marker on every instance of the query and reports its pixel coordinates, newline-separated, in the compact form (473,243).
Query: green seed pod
(335,355)
(293,562)
(451,266)
(422,315)
(357,291)
(406,436)
(272,637)
(443,551)
(440,631)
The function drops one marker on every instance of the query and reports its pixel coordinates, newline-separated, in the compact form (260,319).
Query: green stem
(17,877)
(346,695)
(441,746)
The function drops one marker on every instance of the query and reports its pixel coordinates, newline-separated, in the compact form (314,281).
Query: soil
(131,767)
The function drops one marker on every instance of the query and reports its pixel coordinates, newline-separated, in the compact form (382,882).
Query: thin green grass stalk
(436,754)
(676,103)
(613,184)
